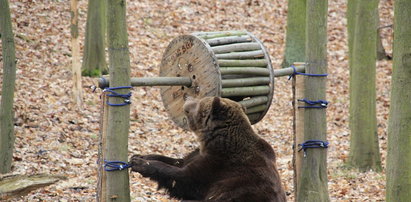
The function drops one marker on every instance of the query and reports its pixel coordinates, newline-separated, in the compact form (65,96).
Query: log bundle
(229,64)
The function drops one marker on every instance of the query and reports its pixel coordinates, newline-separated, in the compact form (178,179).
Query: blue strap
(115,165)
(312,144)
(314,103)
(304,74)
(115,94)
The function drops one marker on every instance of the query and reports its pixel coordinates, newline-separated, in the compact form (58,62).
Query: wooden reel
(230,64)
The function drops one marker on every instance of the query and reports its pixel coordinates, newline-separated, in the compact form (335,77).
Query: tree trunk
(350,15)
(94,59)
(364,150)
(9,77)
(118,188)
(295,38)
(76,68)
(312,185)
(399,127)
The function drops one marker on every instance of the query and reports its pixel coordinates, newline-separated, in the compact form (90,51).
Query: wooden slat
(228,40)
(226,83)
(241,55)
(245,71)
(236,47)
(245,91)
(254,101)
(211,35)
(256,109)
(243,63)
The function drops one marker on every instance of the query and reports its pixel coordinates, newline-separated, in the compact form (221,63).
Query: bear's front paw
(140,165)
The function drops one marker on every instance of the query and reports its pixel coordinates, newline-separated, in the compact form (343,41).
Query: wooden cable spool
(229,64)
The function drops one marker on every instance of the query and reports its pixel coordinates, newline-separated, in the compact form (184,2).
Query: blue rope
(115,165)
(115,94)
(312,144)
(316,103)
(304,74)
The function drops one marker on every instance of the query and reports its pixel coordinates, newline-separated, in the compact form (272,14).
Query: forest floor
(54,136)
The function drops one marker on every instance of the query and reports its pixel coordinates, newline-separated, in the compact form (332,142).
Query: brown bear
(232,163)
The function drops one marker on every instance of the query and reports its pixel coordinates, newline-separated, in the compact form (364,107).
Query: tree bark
(312,185)
(94,58)
(118,188)
(7,136)
(399,127)
(295,38)
(364,149)
(76,67)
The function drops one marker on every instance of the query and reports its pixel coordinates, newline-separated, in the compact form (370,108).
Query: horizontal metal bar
(151,81)
(288,71)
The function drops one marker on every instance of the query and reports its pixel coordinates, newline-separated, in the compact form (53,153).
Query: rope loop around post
(115,94)
(304,74)
(115,165)
(314,103)
(312,144)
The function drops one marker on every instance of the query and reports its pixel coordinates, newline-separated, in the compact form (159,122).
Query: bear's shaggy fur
(232,163)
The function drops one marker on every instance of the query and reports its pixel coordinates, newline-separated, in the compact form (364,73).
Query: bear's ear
(216,105)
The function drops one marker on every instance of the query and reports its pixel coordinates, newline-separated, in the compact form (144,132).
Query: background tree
(399,126)
(94,59)
(364,150)
(116,145)
(312,185)
(75,49)
(9,77)
(295,38)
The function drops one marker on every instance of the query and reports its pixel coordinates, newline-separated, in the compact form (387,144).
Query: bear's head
(209,113)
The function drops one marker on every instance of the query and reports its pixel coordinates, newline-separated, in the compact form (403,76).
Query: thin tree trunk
(94,58)
(399,127)
(76,67)
(118,188)
(312,185)
(9,77)
(295,38)
(364,149)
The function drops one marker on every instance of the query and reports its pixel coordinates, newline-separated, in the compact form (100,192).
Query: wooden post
(298,127)
(75,49)
(117,185)
(102,182)
(312,184)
